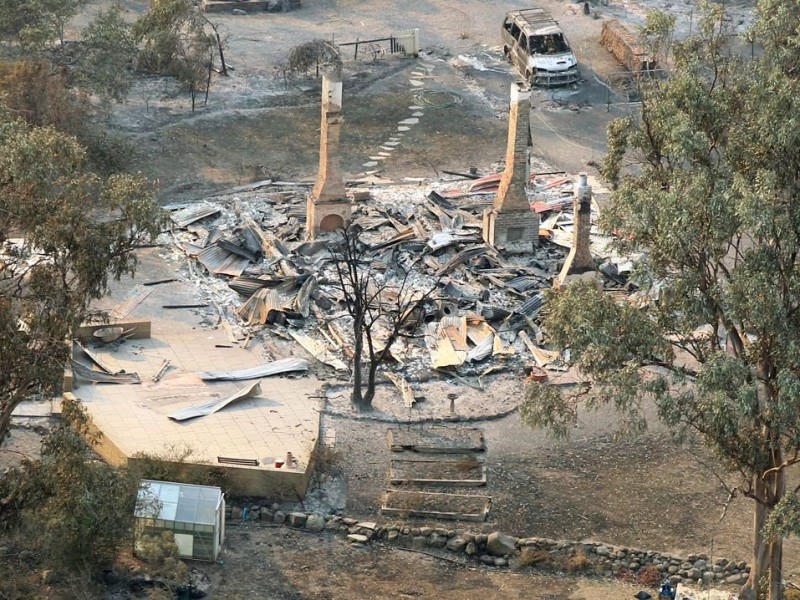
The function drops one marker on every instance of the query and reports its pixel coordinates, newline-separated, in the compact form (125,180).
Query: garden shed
(195,514)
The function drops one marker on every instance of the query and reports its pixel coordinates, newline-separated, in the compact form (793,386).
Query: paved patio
(283,418)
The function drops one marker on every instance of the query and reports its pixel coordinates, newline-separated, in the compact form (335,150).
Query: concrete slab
(133,418)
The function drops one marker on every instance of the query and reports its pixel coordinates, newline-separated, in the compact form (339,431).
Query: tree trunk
(221,54)
(767,554)
(208,80)
(358,349)
(7,406)
(373,370)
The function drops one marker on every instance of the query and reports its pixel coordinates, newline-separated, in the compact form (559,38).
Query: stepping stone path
(417,81)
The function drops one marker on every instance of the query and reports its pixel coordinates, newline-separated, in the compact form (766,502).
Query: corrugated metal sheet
(257,308)
(277,367)
(84,372)
(483,350)
(235,247)
(455,328)
(189,215)
(317,350)
(524,283)
(192,412)
(221,262)
(302,302)
(247,286)
(478,331)
(461,257)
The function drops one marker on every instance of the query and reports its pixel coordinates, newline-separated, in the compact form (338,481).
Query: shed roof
(178,502)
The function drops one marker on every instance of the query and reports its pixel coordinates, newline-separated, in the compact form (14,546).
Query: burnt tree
(374,301)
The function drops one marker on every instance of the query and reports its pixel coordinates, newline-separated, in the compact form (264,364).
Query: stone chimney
(579,260)
(511,221)
(328,207)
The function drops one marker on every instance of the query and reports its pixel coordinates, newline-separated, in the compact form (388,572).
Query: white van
(535,44)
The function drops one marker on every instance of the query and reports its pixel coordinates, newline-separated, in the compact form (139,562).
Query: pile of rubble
(248,251)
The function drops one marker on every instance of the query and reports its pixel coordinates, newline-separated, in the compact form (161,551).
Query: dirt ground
(646,492)
(283,564)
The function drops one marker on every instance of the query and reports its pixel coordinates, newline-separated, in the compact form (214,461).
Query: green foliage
(173,464)
(175,43)
(77,511)
(35,24)
(713,204)
(108,53)
(785,519)
(78,230)
(160,552)
(656,33)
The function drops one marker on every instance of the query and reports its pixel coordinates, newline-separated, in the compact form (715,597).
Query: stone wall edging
(501,550)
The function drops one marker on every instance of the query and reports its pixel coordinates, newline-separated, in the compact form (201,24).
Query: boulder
(357,538)
(499,544)
(736,579)
(279,518)
(315,523)
(297,519)
(602,551)
(456,544)
(471,549)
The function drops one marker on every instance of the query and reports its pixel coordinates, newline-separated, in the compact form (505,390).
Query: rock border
(497,549)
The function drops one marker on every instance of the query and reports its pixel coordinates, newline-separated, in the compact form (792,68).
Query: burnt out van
(534,43)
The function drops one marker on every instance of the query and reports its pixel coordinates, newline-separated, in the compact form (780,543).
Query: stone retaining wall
(500,550)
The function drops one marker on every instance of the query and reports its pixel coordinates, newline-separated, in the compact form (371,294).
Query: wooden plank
(405,388)
(453,507)
(436,440)
(134,298)
(460,471)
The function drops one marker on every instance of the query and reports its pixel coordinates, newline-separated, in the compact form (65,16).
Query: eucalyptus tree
(713,199)
(65,232)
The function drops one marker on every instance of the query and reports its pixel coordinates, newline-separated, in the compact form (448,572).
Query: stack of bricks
(511,222)
(328,207)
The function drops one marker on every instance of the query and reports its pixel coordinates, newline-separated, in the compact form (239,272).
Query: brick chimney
(328,207)
(511,222)
(579,260)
